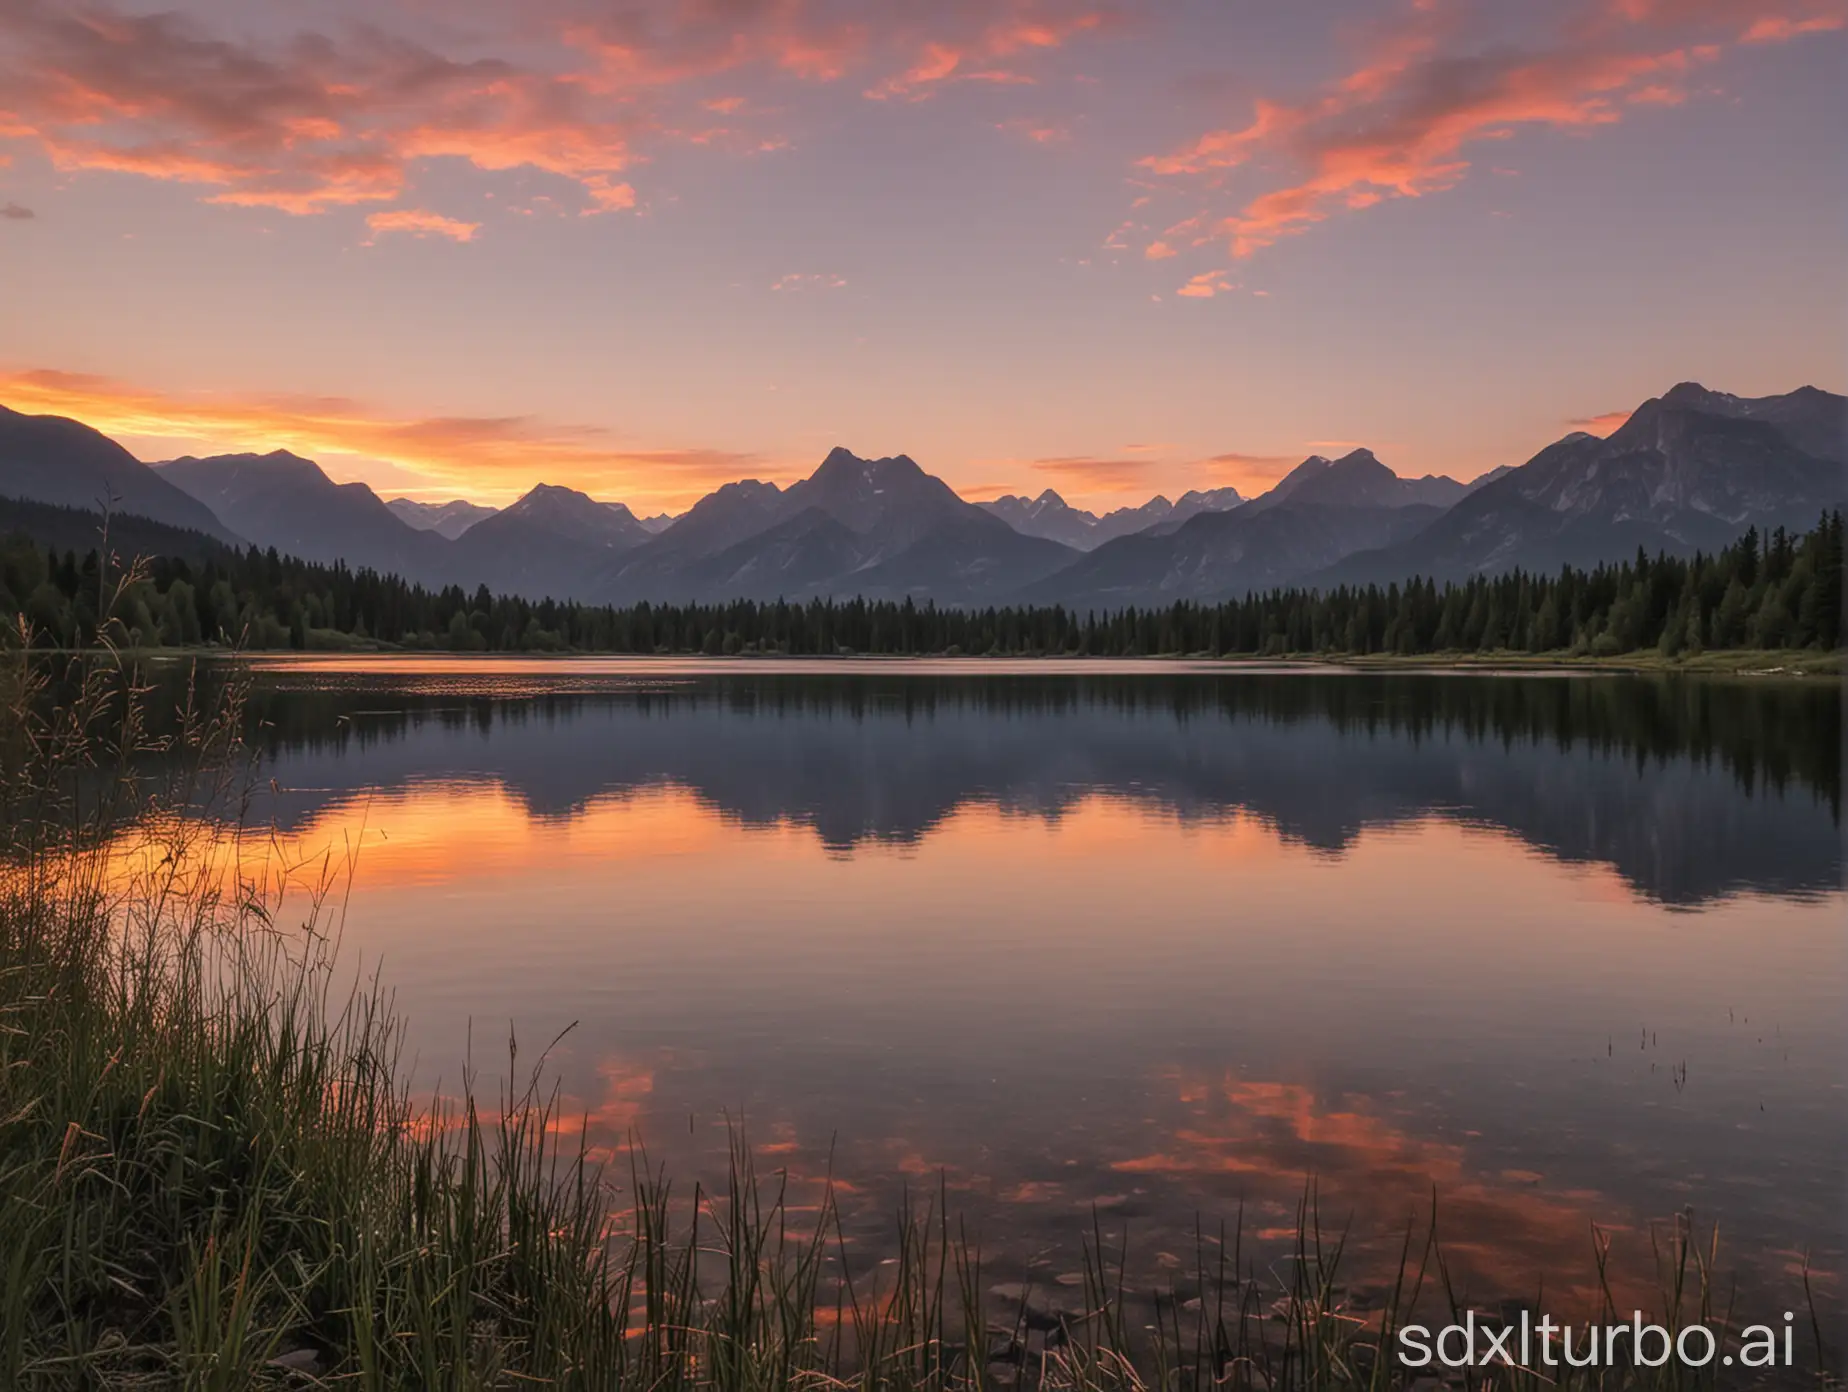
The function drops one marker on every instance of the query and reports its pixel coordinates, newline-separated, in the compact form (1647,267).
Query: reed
(213,1175)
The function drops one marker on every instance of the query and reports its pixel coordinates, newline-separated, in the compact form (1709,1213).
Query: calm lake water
(1152,941)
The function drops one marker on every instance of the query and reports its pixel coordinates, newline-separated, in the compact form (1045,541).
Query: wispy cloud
(488,458)
(307,125)
(1090,474)
(1018,30)
(1249,473)
(1401,123)
(987,492)
(797,280)
(420,223)
(1039,131)
(336,119)
(1602,424)
(1206,285)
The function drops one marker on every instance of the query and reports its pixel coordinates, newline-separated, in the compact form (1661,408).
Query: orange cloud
(420,223)
(1206,285)
(1249,473)
(987,492)
(1102,475)
(1600,425)
(1777,28)
(324,121)
(606,196)
(1135,471)
(490,459)
(914,49)
(1224,149)
(678,44)
(942,59)
(1399,125)
(301,127)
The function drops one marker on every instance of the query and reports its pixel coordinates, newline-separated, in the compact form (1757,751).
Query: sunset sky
(642,247)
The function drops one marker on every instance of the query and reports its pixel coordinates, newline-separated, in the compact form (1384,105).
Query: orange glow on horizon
(488,459)
(496,459)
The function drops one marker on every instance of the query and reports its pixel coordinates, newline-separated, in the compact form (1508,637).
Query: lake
(1139,944)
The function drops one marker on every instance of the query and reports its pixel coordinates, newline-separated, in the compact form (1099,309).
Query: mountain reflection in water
(1689,789)
(1156,944)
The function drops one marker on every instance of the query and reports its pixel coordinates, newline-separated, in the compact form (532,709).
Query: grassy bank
(213,1176)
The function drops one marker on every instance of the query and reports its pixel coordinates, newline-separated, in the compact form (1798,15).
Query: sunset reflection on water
(1153,965)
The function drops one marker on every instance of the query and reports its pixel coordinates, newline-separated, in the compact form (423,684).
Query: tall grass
(212,1175)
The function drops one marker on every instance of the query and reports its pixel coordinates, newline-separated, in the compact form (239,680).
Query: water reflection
(1153,945)
(1690,789)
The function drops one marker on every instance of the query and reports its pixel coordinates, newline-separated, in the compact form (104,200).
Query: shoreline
(1787,664)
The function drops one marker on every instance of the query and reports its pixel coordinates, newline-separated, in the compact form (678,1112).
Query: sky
(454,248)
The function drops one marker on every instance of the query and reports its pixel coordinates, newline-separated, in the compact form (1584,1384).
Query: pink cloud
(796,280)
(1019,30)
(420,223)
(302,126)
(1401,124)
(1777,28)
(1206,285)
(1040,132)
(322,121)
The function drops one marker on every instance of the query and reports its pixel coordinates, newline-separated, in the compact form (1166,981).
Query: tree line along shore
(1775,592)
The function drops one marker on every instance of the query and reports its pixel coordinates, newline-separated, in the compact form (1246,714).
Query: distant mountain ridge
(566,512)
(1051,517)
(1357,479)
(1048,516)
(456,516)
(1318,513)
(1688,470)
(547,543)
(282,500)
(449,519)
(879,527)
(1221,554)
(49,459)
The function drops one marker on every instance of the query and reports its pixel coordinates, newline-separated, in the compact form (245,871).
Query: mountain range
(456,516)
(48,459)
(449,519)
(1357,479)
(1051,517)
(1691,469)
(882,528)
